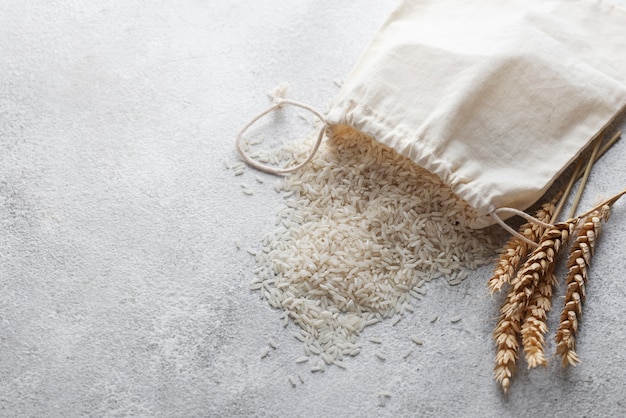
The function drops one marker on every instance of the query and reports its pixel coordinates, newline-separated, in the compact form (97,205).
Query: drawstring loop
(278,103)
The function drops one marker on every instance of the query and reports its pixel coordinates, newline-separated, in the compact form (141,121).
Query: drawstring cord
(278,103)
(611,200)
(522,214)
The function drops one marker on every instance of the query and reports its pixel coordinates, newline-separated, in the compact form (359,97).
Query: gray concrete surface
(121,291)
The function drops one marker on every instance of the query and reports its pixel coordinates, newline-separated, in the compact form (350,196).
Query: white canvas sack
(496,97)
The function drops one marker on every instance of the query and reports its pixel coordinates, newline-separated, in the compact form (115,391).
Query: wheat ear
(535,326)
(537,265)
(506,335)
(515,250)
(577,276)
(508,329)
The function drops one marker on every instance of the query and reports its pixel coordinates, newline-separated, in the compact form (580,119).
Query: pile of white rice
(362,230)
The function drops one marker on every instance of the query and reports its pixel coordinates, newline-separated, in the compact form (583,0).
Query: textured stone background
(121,291)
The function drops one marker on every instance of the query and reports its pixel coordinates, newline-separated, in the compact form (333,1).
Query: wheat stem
(578,173)
(607,202)
(609,144)
(575,176)
(616,137)
(586,174)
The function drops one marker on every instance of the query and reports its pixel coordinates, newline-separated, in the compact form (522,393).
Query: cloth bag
(496,97)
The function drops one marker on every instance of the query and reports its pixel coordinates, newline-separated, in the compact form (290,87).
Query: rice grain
(383,396)
(265,352)
(417,341)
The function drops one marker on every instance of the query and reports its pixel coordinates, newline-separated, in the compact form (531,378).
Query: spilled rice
(362,229)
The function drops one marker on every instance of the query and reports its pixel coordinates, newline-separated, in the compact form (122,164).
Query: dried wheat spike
(506,335)
(515,250)
(537,266)
(508,329)
(577,263)
(535,326)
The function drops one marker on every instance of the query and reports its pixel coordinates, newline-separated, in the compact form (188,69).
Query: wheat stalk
(577,276)
(524,312)
(583,181)
(507,333)
(515,250)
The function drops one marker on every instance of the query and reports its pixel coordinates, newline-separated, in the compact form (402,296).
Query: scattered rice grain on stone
(417,341)
(265,352)
(383,396)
